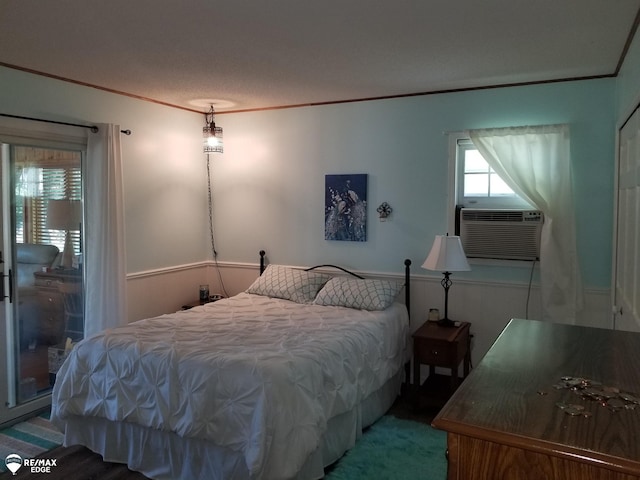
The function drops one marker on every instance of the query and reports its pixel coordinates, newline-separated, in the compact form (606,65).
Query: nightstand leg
(467,358)
(414,391)
(467,363)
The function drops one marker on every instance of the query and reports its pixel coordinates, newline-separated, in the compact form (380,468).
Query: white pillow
(288,283)
(366,294)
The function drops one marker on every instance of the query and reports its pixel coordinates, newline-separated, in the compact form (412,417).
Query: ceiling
(251,54)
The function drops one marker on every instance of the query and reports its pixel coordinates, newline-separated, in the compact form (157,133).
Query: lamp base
(67,254)
(445,322)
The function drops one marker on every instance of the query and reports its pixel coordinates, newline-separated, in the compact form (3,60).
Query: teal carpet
(394,449)
(29,438)
(391,449)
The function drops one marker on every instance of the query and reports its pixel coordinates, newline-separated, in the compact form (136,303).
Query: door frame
(22,132)
(617,310)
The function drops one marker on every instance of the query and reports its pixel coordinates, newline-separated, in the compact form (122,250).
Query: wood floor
(35,364)
(79,463)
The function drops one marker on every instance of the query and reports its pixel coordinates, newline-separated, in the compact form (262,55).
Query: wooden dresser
(533,408)
(52,302)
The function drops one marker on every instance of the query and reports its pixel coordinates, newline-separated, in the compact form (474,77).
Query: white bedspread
(258,375)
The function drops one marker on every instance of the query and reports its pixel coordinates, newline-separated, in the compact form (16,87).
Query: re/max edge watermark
(15,462)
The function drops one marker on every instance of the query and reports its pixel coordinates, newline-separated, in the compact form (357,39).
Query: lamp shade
(212,142)
(64,214)
(212,139)
(447,255)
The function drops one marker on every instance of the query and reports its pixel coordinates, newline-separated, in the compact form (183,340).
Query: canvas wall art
(345,207)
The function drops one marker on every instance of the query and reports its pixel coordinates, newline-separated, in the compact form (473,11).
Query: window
(43,175)
(477,184)
(490,218)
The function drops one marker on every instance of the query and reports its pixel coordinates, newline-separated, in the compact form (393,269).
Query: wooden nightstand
(439,346)
(212,298)
(189,306)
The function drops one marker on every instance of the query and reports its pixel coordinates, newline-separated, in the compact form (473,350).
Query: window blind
(37,181)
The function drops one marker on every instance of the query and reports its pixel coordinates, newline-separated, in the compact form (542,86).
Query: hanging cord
(213,241)
(526,310)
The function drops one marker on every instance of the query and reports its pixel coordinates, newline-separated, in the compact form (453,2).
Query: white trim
(189,266)
(615,307)
(415,277)
(614,230)
(454,137)
(501,284)
(18,133)
(624,116)
(165,270)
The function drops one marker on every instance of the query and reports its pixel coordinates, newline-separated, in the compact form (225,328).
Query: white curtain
(535,162)
(105,295)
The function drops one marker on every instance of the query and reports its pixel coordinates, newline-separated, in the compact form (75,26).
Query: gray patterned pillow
(365,294)
(288,283)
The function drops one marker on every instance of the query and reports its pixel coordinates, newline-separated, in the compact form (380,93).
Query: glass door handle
(2,295)
(10,286)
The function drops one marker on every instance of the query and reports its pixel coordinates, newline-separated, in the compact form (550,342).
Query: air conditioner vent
(472,214)
(501,234)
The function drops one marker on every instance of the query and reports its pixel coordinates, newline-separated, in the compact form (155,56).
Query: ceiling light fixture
(212,135)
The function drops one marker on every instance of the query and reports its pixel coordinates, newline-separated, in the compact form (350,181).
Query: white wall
(269,184)
(269,188)
(269,194)
(488,305)
(628,82)
(166,216)
(164,169)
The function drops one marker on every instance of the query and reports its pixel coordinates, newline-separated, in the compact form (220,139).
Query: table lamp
(65,215)
(446,256)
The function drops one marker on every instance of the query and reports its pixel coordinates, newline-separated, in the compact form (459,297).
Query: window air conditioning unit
(501,234)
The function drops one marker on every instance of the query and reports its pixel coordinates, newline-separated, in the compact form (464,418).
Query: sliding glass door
(42,287)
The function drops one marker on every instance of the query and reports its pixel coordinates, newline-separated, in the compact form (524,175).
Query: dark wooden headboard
(407,286)
(407,277)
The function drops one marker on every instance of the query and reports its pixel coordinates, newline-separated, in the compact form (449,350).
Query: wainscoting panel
(487,305)
(156,292)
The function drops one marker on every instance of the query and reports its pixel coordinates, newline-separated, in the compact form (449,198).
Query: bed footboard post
(262,254)
(407,286)
(407,302)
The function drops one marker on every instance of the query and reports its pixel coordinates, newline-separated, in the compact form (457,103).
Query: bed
(276,382)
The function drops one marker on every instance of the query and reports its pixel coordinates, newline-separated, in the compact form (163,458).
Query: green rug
(395,449)
(29,438)
(391,449)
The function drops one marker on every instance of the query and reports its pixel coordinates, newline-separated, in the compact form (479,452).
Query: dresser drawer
(50,300)
(439,354)
(51,321)
(51,328)
(45,282)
